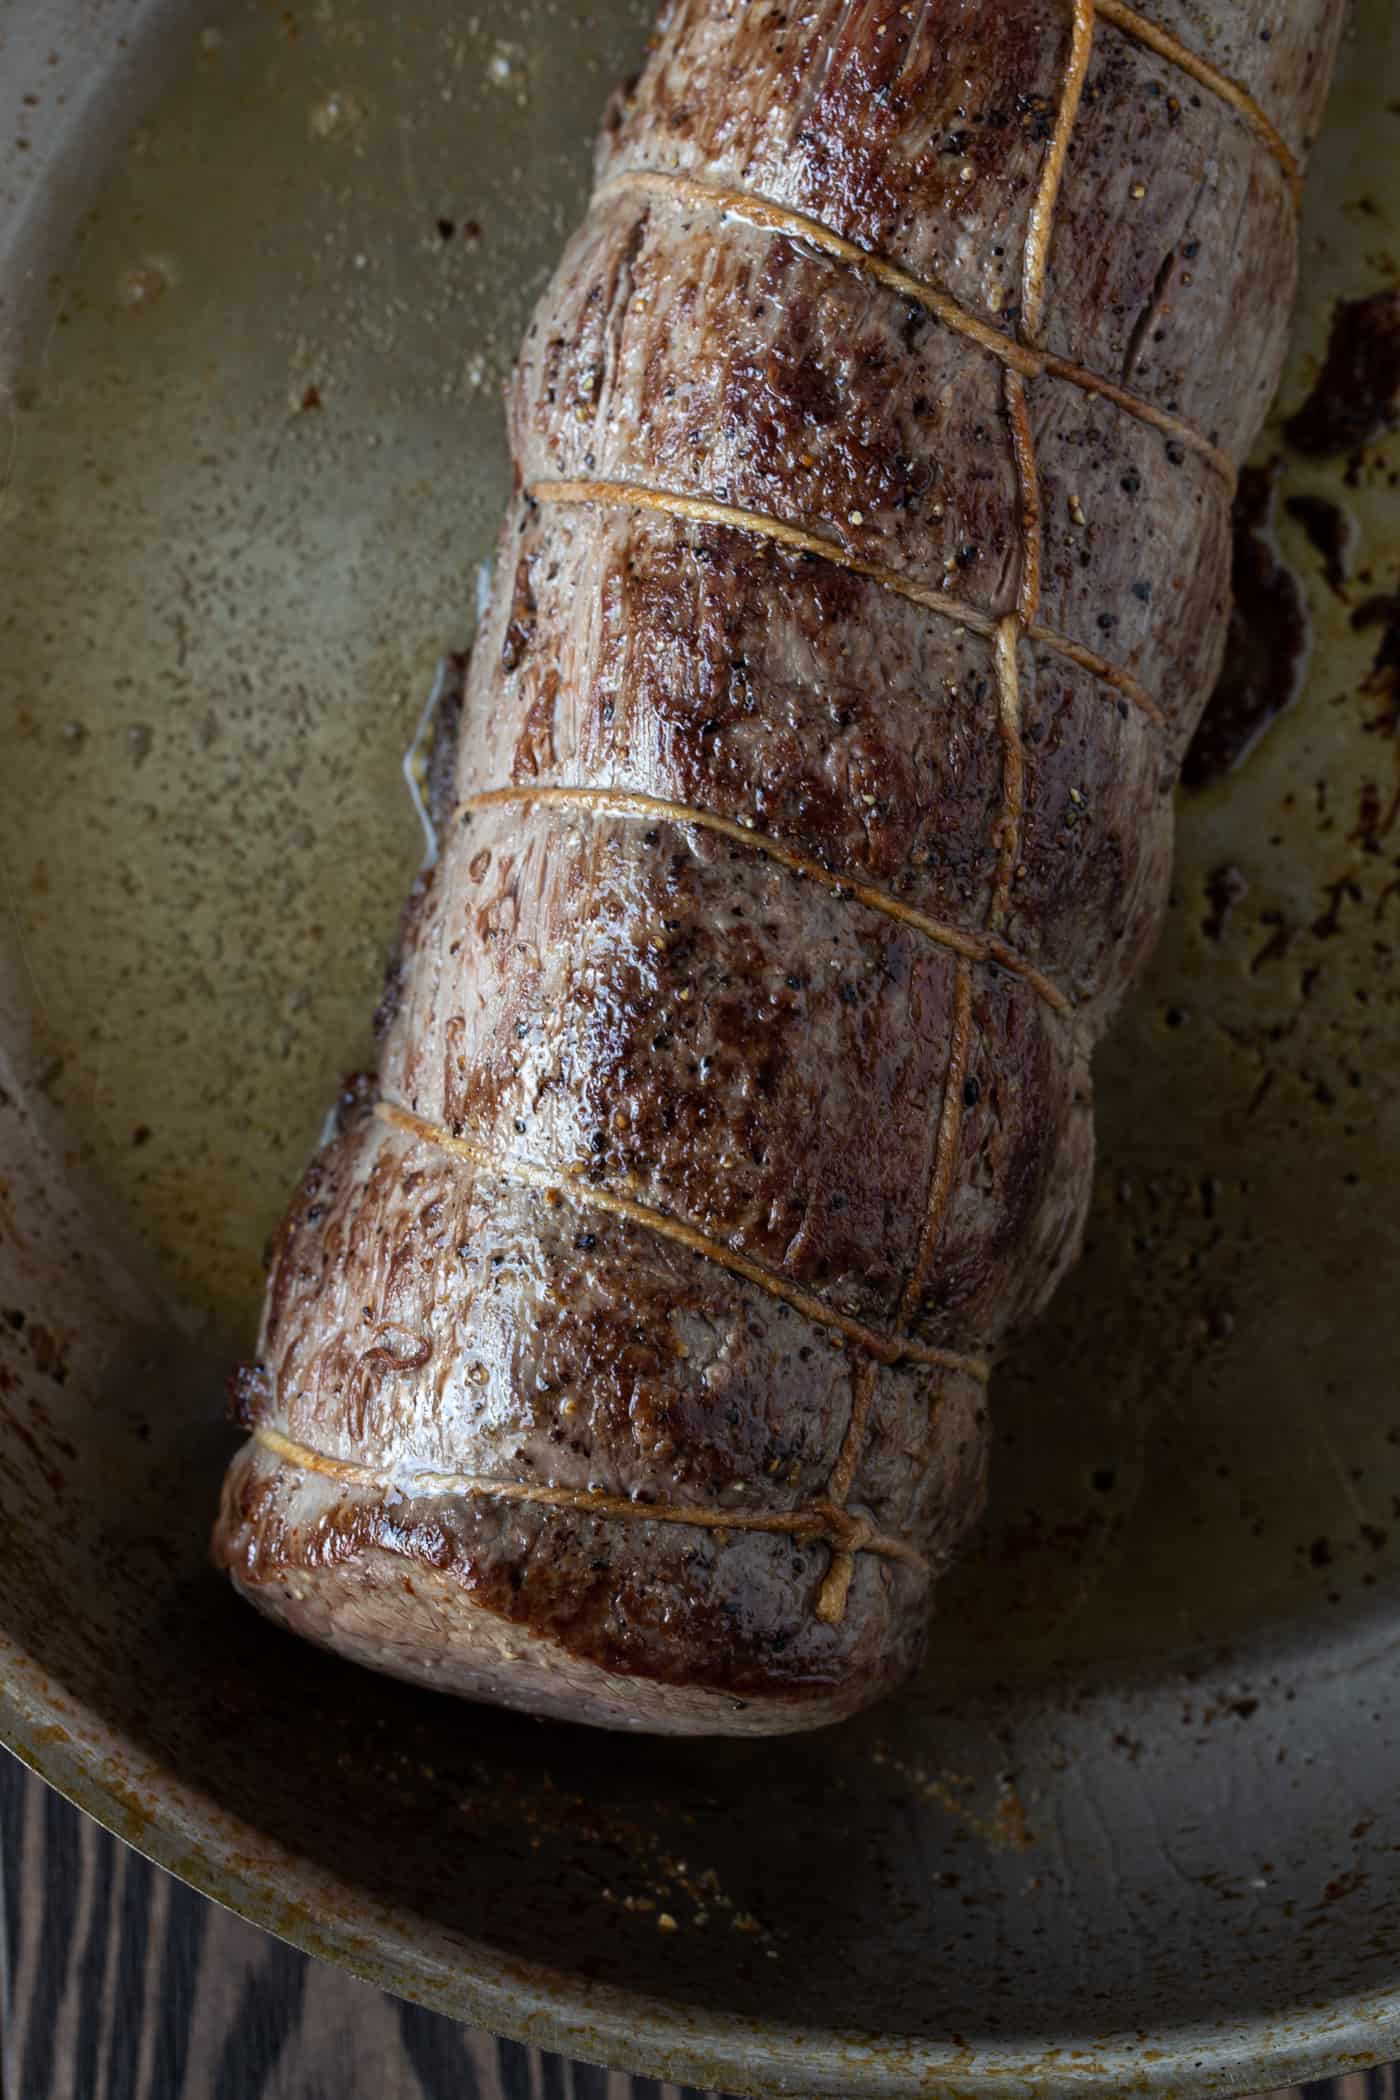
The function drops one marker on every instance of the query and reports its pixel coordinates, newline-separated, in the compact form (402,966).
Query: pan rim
(634,2031)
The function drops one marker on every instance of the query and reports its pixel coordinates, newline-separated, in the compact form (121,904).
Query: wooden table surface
(119,1983)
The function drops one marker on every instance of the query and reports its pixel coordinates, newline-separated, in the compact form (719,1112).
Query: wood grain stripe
(54,1949)
(88,2026)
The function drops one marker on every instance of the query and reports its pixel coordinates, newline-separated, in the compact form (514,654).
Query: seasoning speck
(143,283)
(335,113)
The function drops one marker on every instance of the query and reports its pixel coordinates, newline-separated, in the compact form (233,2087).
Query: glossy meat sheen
(824,825)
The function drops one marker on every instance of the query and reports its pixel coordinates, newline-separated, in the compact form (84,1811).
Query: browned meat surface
(868,570)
